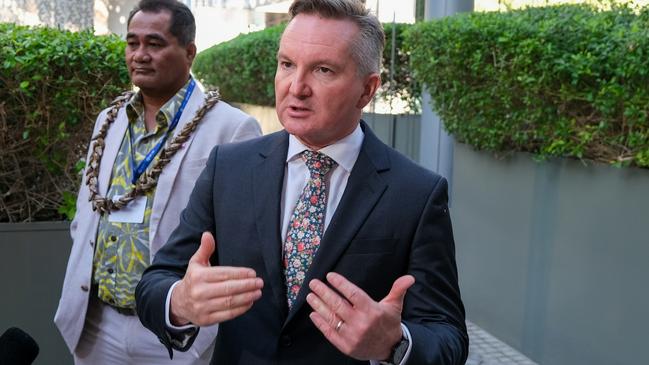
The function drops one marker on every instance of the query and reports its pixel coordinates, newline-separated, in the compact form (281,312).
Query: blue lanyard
(139,170)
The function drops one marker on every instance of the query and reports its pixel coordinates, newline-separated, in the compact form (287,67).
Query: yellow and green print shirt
(122,250)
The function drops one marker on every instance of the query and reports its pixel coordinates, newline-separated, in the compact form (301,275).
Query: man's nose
(141,55)
(300,85)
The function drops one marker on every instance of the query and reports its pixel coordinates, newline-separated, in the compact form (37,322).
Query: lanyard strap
(141,168)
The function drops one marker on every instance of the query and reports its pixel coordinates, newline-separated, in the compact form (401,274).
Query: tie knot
(318,163)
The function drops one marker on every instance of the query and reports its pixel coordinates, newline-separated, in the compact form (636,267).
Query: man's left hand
(354,323)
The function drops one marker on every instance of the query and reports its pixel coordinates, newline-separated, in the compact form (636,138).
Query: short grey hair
(367,48)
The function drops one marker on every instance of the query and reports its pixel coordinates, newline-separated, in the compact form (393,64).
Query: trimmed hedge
(244,68)
(53,84)
(567,80)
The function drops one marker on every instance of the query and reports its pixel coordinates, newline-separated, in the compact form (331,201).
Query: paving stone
(485,349)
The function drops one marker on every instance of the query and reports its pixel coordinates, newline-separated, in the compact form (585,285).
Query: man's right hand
(209,295)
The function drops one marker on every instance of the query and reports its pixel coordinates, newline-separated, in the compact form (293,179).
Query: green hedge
(244,68)
(566,80)
(52,85)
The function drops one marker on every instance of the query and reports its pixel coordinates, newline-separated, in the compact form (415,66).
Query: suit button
(285,341)
(110,270)
(92,243)
(113,238)
(84,287)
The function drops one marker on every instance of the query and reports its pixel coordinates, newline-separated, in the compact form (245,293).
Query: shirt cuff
(167,313)
(406,334)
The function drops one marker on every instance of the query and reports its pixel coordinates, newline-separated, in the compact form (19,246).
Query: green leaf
(79,166)
(68,207)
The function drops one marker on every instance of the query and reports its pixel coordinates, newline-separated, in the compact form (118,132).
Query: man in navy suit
(318,244)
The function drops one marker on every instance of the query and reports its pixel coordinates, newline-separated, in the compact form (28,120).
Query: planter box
(553,255)
(34,257)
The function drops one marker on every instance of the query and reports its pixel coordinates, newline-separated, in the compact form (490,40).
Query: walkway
(485,349)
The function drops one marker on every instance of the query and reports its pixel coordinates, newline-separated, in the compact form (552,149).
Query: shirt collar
(135,107)
(344,151)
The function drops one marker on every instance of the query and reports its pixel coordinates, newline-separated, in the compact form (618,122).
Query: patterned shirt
(122,250)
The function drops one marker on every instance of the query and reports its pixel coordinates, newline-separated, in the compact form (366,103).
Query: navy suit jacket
(392,220)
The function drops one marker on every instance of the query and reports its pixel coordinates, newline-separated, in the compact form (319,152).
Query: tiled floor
(485,349)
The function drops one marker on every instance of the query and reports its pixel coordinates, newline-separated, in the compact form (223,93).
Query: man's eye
(324,70)
(285,64)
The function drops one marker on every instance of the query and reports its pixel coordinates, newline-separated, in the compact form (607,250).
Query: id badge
(133,212)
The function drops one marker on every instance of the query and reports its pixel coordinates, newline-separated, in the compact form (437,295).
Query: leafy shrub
(53,83)
(244,68)
(567,80)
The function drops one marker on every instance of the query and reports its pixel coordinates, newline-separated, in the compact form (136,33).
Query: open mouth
(298,109)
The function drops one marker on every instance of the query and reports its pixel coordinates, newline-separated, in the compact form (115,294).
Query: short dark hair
(183,24)
(367,48)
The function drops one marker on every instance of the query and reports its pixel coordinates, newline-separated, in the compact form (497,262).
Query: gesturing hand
(354,323)
(208,295)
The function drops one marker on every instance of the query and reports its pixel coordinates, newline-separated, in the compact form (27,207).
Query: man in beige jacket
(146,152)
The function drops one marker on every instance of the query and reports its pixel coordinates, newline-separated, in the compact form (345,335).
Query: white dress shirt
(296,174)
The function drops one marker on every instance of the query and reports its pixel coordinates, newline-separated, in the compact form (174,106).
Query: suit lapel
(170,172)
(363,191)
(267,184)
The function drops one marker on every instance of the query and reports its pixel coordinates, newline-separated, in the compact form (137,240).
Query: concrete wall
(34,257)
(399,131)
(553,256)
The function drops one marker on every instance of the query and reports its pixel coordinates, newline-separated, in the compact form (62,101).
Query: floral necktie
(307,223)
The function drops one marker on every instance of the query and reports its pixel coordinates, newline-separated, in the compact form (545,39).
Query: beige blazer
(222,124)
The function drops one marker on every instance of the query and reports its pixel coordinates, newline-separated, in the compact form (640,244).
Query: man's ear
(191,52)
(371,84)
